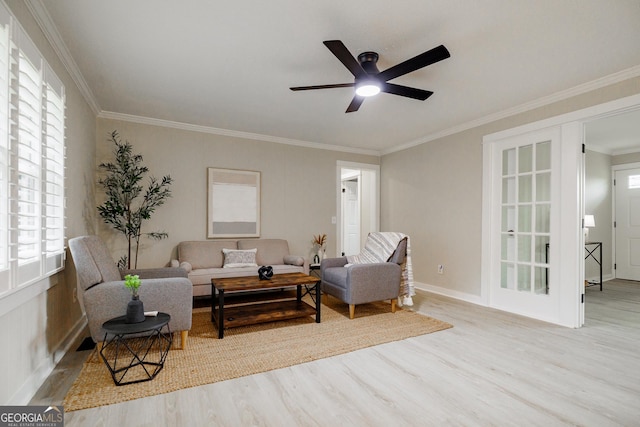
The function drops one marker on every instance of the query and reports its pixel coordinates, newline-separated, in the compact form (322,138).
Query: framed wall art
(233,202)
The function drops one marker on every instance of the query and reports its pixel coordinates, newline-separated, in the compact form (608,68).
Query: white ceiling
(619,134)
(227,66)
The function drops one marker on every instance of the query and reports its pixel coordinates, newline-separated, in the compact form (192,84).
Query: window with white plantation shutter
(4,150)
(32,155)
(29,160)
(54,172)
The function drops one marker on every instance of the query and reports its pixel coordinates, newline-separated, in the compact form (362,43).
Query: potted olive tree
(128,203)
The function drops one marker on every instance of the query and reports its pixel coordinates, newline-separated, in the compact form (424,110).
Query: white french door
(351,216)
(526,218)
(529,270)
(627,231)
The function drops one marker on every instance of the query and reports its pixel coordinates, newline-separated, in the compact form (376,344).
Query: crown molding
(625,151)
(42,17)
(232,133)
(600,150)
(522,108)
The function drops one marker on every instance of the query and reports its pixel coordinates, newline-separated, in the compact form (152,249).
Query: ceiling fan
(370,81)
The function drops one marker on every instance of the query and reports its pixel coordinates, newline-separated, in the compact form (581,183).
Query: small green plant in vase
(135,308)
(132,282)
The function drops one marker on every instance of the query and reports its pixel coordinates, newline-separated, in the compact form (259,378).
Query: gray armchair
(103,296)
(363,283)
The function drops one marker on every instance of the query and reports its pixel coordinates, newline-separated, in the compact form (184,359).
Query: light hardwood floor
(492,368)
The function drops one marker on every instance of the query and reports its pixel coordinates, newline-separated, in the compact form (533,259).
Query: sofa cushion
(102,259)
(87,271)
(270,251)
(204,254)
(294,260)
(239,258)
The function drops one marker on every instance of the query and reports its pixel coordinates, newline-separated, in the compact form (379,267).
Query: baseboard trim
(29,388)
(462,296)
(605,278)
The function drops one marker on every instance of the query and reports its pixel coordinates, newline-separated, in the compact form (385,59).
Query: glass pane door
(526,218)
(532,250)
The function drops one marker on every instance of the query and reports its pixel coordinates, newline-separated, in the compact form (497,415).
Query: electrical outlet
(440,269)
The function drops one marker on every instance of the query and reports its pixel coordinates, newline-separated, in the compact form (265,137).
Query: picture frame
(233,203)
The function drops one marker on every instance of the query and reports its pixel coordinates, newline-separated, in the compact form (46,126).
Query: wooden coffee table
(239,301)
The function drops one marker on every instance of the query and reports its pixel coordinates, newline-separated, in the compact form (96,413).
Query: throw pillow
(239,258)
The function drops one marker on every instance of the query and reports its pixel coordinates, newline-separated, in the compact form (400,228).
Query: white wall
(432,192)
(622,159)
(298,186)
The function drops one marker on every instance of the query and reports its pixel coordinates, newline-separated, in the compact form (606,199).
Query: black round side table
(136,351)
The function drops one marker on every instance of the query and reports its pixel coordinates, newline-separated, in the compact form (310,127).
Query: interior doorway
(612,146)
(613,149)
(351,181)
(358,202)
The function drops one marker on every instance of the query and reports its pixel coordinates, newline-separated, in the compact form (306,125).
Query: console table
(591,248)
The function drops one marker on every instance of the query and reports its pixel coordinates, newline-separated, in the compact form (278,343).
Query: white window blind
(32,154)
(4,150)
(54,172)
(29,161)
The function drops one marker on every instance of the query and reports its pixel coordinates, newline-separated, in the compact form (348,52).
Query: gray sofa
(204,260)
(103,296)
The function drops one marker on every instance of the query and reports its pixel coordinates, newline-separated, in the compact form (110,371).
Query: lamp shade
(589,221)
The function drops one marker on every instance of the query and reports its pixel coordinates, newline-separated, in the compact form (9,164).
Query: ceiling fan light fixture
(367,88)
(369,81)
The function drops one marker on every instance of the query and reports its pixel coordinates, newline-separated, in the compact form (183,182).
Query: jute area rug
(253,349)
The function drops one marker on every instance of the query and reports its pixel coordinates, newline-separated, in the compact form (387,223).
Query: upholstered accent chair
(103,296)
(364,283)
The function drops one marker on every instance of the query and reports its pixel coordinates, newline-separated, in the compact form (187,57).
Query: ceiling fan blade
(427,58)
(322,86)
(342,53)
(409,92)
(356,102)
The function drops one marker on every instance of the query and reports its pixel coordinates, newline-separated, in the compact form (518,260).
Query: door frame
(343,200)
(375,204)
(571,310)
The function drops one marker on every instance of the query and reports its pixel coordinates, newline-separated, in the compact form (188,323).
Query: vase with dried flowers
(319,242)
(135,307)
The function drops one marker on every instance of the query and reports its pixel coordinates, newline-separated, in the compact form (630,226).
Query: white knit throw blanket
(379,247)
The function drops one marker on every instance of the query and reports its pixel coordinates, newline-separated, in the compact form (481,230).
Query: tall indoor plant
(128,204)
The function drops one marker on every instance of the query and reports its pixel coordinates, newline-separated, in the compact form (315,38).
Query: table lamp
(589,221)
